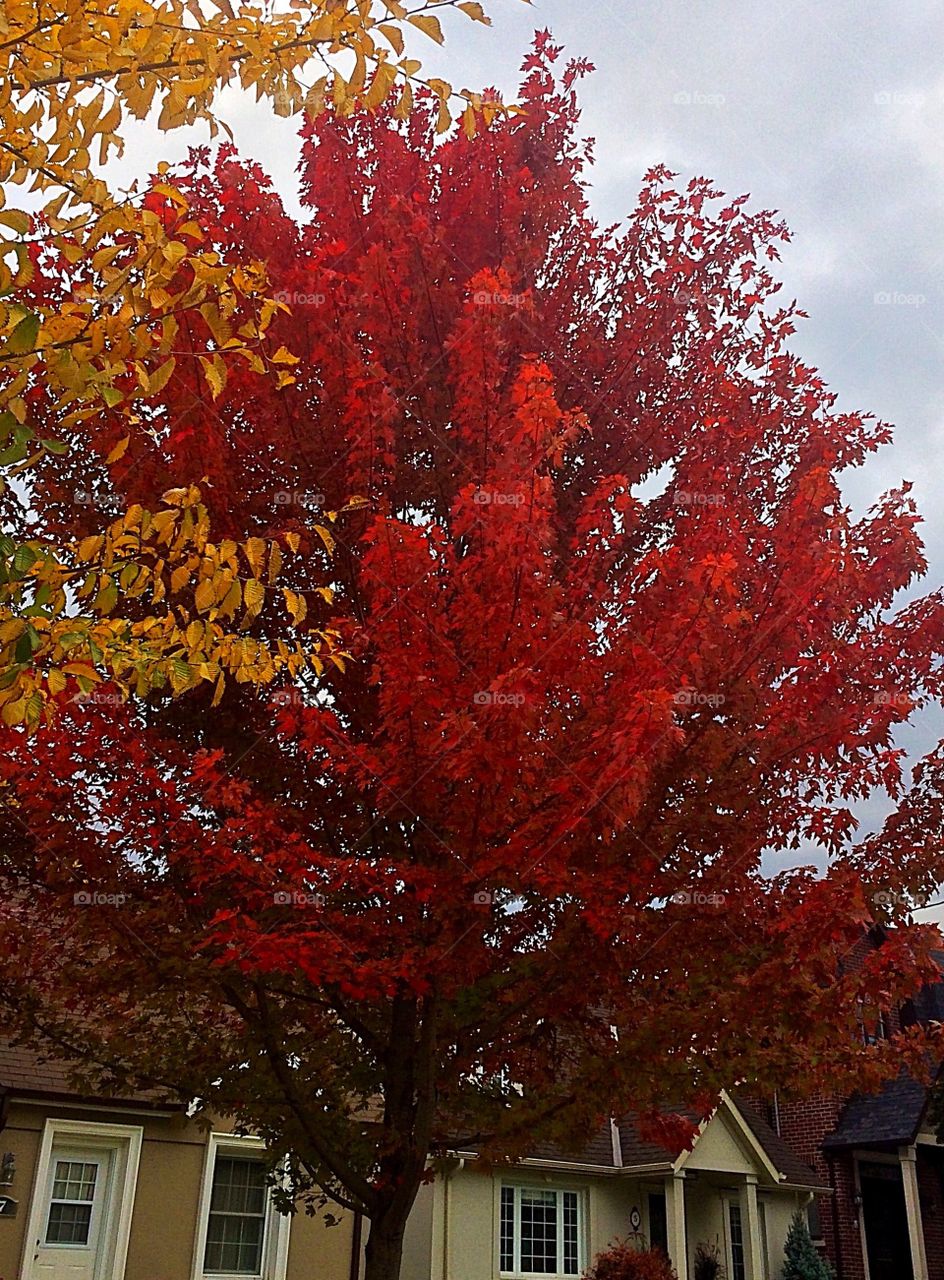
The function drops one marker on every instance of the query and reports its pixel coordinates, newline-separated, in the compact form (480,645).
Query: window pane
(236,1223)
(74,1180)
(737,1243)
(239,1186)
(507,1233)
(570,1233)
(68,1223)
(539,1232)
(658,1223)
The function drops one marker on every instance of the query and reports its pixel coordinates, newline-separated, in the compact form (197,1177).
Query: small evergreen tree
(801,1261)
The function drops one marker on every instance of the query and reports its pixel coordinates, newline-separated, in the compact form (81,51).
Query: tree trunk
(384,1251)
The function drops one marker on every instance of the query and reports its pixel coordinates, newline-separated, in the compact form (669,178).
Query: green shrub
(801,1261)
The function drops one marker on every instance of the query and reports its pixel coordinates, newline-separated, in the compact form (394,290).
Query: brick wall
(803,1125)
(931,1193)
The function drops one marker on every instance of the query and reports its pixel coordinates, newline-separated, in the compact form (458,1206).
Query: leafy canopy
(611,635)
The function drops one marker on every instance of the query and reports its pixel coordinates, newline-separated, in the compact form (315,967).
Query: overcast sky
(832,114)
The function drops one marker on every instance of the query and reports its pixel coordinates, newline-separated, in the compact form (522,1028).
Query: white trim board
(277,1225)
(124,1141)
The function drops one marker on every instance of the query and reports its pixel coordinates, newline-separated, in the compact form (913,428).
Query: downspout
(356,1235)
(777,1113)
(837,1241)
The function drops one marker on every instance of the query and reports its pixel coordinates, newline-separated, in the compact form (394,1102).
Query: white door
(73,1226)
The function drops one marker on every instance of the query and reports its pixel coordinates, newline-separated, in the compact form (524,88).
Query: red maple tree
(612,635)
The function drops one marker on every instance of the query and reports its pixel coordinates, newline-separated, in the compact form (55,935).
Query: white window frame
(733,1202)
(536,1186)
(123,1142)
(277,1225)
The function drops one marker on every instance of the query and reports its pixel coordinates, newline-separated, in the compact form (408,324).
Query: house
(883,1218)
(738,1187)
(131,1188)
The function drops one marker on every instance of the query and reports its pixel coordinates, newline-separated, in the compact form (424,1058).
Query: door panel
(74,1224)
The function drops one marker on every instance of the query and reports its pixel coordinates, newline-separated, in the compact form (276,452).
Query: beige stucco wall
(465,1217)
(720,1147)
(781,1206)
(164,1222)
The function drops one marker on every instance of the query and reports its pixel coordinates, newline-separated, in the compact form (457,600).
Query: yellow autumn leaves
(71,74)
(209,594)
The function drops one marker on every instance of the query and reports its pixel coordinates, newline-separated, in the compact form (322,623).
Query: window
(236,1224)
(658,1224)
(738,1271)
(540,1231)
(239,1232)
(70,1206)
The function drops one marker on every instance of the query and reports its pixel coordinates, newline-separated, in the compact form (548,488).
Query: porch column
(909,1179)
(750,1228)
(675,1224)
